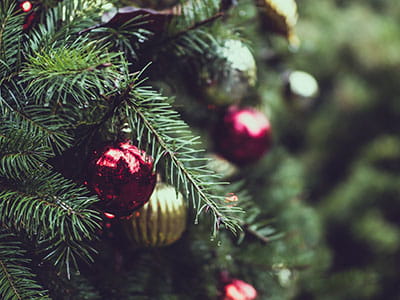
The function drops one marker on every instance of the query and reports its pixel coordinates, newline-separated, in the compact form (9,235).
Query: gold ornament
(161,221)
(280,16)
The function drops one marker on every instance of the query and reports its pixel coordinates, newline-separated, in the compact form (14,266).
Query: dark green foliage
(80,69)
(16,278)
(171,140)
(10,45)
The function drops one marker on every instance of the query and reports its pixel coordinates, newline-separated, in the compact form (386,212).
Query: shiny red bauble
(243,135)
(237,289)
(123,178)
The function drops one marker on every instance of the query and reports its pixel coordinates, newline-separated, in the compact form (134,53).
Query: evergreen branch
(47,131)
(191,43)
(17,282)
(256,234)
(197,25)
(126,38)
(66,19)
(78,71)
(194,12)
(10,34)
(254,223)
(10,97)
(171,141)
(55,213)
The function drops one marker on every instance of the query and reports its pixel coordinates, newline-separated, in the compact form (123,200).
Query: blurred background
(349,141)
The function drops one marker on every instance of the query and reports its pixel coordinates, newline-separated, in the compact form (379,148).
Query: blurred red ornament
(122,177)
(243,135)
(29,19)
(26,6)
(239,290)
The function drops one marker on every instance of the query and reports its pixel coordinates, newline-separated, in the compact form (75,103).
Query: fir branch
(126,38)
(38,123)
(28,139)
(194,12)
(10,39)
(17,282)
(191,43)
(254,223)
(170,140)
(197,25)
(78,71)
(256,234)
(16,163)
(69,17)
(54,213)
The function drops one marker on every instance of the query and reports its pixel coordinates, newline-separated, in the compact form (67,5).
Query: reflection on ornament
(26,6)
(109,216)
(122,177)
(243,135)
(239,290)
(161,221)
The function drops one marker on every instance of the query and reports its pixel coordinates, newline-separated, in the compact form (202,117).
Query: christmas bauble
(237,289)
(243,135)
(226,80)
(123,178)
(161,221)
(300,88)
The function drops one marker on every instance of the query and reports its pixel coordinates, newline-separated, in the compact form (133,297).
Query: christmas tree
(105,104)
(178,150)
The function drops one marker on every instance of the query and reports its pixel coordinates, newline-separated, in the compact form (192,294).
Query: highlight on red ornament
(26,6)
(239,290)
(109,216)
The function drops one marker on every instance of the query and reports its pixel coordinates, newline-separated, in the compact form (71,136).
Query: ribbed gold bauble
(161,221)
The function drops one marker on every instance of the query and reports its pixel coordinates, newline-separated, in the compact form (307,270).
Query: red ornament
(122,177)
(239,290)
(243,135)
